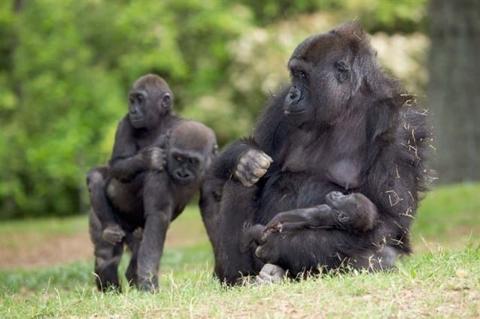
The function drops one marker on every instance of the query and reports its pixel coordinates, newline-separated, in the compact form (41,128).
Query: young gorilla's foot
(113,234)
(148,285)
(270,273)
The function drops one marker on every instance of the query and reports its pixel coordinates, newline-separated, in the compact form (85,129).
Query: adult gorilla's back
(341,126)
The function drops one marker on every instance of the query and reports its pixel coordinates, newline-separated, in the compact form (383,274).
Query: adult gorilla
(341,127)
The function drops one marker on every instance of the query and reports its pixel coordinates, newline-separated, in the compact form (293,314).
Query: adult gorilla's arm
(269,133)
(271,128)
(398,177)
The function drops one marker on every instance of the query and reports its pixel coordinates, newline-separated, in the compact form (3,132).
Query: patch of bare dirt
(46,251)
(33,250)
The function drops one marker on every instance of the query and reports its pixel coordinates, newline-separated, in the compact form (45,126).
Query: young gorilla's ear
(167,101)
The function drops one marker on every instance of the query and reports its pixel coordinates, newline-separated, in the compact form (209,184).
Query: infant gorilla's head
(190,147)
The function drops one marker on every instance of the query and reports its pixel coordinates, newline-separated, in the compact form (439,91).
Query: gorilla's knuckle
(94,177)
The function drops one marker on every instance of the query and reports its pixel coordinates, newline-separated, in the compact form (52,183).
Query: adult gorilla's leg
(237,211)
(107,257)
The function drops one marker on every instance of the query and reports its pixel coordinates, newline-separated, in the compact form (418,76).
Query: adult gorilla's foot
(269,274)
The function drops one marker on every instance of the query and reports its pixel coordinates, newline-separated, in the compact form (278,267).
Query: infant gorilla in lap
(353,212)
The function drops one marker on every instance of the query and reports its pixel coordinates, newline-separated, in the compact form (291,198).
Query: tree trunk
(454,88)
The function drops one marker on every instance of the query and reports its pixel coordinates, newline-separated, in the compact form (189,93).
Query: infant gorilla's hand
(252,166)
(113,234)
(155,158)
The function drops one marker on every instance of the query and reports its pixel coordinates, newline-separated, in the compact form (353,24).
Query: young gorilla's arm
(126,161)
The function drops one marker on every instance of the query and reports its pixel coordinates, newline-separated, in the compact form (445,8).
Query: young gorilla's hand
(252,166)
(113,234)
(155,157)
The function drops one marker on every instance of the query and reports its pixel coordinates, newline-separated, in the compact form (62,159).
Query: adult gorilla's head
(328,70)
(149,100)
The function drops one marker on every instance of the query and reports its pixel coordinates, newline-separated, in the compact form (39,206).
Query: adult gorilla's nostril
(294,95)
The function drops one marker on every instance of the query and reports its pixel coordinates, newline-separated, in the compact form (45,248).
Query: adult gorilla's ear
(382,120)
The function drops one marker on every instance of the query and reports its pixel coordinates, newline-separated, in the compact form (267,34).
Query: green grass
(441,280)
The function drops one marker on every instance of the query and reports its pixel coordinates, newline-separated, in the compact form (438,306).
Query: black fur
(157,164)
(342,125)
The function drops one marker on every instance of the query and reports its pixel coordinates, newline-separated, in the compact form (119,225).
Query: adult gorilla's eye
(178,158)
(342,66)
(343,71)
(300,74)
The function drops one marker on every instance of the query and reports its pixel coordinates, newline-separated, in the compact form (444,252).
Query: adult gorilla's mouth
(294,112)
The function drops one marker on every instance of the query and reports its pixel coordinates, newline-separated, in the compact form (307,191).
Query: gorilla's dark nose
(182,174)
(294,95)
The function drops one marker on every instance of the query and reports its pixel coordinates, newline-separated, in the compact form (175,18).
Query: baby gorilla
(145,209)
(354,213)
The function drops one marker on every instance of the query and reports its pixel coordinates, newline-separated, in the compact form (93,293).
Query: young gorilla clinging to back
(341,127)
(157,165)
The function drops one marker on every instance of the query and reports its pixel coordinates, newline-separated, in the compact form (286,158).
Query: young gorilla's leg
(107,257)
(101,207)
(158,214)
(133,242)
(237,212)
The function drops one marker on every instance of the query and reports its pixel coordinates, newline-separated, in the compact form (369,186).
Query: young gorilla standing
(135,192)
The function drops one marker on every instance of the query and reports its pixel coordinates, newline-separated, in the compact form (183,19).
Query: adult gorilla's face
(324,77)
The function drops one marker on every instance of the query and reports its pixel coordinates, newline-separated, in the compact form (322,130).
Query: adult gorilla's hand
(252,165)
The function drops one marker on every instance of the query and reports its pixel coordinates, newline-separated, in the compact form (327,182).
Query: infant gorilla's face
(184,166)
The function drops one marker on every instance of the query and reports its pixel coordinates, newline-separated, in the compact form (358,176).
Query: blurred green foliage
(66,65)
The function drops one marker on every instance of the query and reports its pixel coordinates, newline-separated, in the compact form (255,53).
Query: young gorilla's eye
(179,158)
